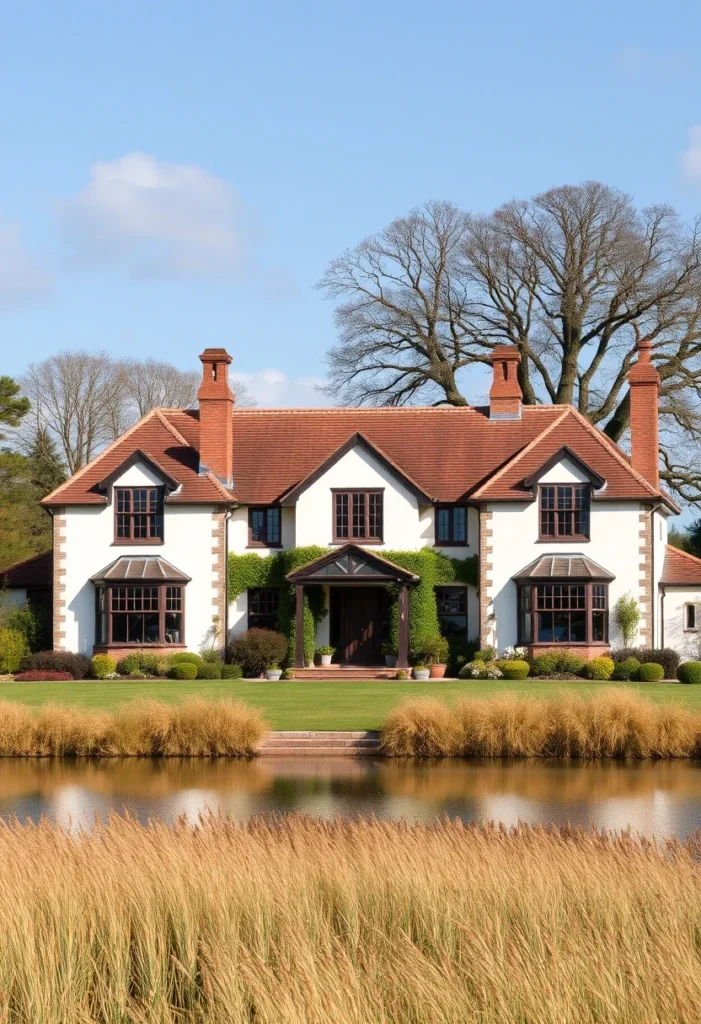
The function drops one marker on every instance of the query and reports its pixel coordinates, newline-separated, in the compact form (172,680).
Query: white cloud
(273,388)
(691,157)
(158,220)
(22,280)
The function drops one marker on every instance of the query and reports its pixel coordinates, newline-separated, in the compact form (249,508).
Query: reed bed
(614,723)
(299,921)
(141,728)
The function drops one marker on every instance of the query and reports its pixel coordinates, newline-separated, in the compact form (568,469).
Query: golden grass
(613,723)
(150,728)
(298,921)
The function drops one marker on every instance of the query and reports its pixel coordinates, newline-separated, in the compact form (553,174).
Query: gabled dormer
(137,489)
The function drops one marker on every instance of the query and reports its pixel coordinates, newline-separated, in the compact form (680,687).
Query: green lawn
(317,705)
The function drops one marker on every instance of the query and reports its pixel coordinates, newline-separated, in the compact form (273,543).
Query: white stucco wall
(614,544)
(659,542)
(686,644)
(89,547)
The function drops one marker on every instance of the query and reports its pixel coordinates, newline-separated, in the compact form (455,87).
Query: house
(553,521)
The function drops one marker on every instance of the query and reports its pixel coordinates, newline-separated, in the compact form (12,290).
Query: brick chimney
(216,422)
(505,395)
(644,383)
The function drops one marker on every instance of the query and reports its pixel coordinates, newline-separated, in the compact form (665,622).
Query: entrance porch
(359,608)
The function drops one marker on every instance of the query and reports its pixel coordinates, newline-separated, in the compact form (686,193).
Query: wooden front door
(359,625)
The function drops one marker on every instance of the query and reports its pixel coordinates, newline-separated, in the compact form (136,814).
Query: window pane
(119,629)
(459,524)
(443,524)
(545,627)
(258,525)
(547,523)
(564,497)
(173,628)
(599,625)
(341,515)
(273,526)
(358,514)
(123,525)
(151,628)
(578,627)
(547,497)
(375,513)
(690,616)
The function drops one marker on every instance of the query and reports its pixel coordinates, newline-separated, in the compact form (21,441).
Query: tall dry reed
(150,728)
(613,723)
(297,921)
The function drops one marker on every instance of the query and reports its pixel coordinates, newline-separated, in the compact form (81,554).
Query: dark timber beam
(299,625)
(403,645)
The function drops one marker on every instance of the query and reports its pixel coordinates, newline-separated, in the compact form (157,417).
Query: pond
(654,799)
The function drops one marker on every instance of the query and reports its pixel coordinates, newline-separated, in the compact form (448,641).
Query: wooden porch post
(403,646)
(299,625)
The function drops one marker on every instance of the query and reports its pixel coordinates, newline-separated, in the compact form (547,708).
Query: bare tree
(79,397)
(573,277)
(151,384)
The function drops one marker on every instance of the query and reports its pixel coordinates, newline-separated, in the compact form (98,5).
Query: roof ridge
(515,458)
(100,455)
(169,426)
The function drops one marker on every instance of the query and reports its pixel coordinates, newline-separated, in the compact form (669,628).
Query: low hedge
(650,672)
(77,665)
(39,676)
(626,670)
(144,662)
(185,658)
(689,672)
(557,663)
(664,656)
(231,672)
(183,670)
(209,670)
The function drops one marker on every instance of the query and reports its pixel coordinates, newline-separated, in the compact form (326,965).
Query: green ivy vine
(433,568)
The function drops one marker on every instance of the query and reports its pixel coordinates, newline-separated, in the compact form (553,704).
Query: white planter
(421,673)
(326,659)
(273,674)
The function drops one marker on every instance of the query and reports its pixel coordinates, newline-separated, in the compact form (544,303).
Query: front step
(319,744)
(343,672)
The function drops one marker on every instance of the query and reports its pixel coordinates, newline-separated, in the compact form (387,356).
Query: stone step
(317,752)
(336,673)
(319,743)
(312,734)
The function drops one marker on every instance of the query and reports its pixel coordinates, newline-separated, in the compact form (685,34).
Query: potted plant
(435,650)
(420,671)
(325,653)
(273,673)
(390,653)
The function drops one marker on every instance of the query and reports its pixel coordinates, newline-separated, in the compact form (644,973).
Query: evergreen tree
(12,408)
(48,470)
(694,542)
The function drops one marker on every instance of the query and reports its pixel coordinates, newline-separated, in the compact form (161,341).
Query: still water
(661,799)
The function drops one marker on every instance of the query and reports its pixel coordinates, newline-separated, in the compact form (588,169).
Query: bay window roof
(129,568)
(563,567)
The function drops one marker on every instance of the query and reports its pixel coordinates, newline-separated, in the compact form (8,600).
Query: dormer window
(264,527)
(138,515)
(564,511)
(357,516)
(451,525)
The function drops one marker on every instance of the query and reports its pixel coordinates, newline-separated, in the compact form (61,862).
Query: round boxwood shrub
(515,669)
(650,672)
(231,672)
(185,658)
(130,663)
(183,670)
(209,670)
(255,649)
(102,665)
(598,668)
(544,664)
(626,669)
(689,672)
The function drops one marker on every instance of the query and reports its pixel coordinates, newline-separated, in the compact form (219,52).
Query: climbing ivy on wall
(432,567)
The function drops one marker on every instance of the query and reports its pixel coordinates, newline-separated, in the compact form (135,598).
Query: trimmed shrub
(515,669)
(598,668)
(564,662)
(208,670)
(544,664)
(129,664)
(664,656)
(435,650)
(650,672)
(689,672)
(486,654)
(184,658)
(102,665)
(626,669)
(37,676)
(402,674)
(183,670)
(568,661)
(13,649)
(231,672)
(77,665)
(480,670)
(256,649)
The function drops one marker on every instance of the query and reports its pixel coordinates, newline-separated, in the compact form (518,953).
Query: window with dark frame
(264,528)
(451,604)
(690,617)
(564,511)
(563,613)
(263,606)
(358,516)
(451,524)
(145,615)
(138,515)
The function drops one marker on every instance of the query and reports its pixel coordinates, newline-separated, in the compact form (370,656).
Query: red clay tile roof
(36,571)
(680,568)
(450,453)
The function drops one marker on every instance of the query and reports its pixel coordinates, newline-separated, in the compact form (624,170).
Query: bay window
(569,613)
(141,615)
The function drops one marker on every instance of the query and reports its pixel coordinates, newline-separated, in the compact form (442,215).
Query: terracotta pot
(437,671)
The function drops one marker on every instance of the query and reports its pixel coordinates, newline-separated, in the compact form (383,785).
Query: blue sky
(179,174)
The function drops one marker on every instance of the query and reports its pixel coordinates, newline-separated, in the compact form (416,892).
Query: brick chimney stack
(216,422)
(644,381)
(505,395)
